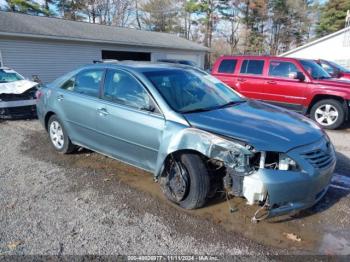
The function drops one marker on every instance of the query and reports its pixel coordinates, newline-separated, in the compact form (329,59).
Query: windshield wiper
(198,110)
(231,103)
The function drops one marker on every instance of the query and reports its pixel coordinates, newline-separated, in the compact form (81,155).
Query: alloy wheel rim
(326,115)
(56,134)
(178,181)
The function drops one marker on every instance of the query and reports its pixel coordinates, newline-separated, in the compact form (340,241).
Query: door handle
(103,111)
(271,82)
(241,80)
(60,97)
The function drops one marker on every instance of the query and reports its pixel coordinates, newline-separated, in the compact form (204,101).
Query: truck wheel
(328,113)
(185,181)
(58,136)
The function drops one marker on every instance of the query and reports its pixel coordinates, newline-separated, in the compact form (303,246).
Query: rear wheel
(185,181)
(328,113)
(58,136)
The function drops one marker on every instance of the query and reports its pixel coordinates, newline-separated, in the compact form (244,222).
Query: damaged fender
(231,153)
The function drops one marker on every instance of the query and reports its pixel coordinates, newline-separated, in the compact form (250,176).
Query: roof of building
(316,41)
(16,24)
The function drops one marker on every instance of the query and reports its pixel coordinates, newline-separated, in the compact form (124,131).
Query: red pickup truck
(297,84)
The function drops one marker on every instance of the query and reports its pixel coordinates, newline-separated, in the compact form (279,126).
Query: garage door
(125,55)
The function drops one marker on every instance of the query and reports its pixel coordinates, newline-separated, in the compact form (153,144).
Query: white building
(334,47)
(50,47)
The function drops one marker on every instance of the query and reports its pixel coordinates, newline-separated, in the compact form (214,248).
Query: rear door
(225,71)
(281,90)
(76,102)
(250,80)
(129,128)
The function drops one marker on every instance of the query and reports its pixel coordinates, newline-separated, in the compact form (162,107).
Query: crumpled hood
(16,87)
(267,128)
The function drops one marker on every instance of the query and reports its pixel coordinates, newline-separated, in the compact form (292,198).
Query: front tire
(328,113)
(185,181)
(59,137)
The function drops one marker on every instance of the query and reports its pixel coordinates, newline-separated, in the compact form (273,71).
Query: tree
(230,15)
(71,9)
(28,7)
(46,7)
(159,15)
(332,17)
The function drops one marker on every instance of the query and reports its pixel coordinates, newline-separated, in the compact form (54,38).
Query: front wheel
(328,113)
(185,181)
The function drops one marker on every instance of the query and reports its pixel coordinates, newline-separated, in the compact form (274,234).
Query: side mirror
(337,73)
(297,75)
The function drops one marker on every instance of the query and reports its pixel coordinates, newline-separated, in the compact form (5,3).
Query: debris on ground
(292,236)
(15,244)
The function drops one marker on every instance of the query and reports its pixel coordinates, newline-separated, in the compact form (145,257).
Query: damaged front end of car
(18,105)
(280,183)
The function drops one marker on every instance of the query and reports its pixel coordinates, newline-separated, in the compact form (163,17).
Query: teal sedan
(194,133)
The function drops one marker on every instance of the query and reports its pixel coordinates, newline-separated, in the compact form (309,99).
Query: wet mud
(321,229)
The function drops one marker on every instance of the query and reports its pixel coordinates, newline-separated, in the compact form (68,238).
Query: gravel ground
(85,203)
(49,209)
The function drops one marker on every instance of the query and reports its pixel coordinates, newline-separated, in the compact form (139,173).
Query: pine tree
(332,18)
(28,7)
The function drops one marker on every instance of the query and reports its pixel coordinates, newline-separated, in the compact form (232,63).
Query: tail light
(38,94)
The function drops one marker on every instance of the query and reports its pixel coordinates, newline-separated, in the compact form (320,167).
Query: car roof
(141,66)
(5,68)
(261,57)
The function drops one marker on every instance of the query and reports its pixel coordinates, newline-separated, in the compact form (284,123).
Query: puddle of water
(336,243)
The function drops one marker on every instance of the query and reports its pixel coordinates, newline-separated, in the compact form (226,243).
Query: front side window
(328,68)
(281,69)
(122,88)
(314,69)
(86,82)
(190,90)
(227,66)
(7,76)
(253,67)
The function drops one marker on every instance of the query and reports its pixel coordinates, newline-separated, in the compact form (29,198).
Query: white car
(17,95)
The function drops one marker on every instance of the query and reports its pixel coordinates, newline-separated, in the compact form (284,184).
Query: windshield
(339,67)
(7,76)
(191,90)
(314,69)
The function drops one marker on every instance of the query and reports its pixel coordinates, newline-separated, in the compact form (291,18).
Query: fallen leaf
(12,205)
(15,244)
(292,237)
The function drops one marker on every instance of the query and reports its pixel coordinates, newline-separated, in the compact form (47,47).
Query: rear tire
(328,113)
(190,188)
(59,137)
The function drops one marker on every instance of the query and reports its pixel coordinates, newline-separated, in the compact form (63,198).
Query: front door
(281,90)
(129,123)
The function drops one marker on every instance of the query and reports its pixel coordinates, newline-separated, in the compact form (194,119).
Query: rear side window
(254,67)
(227,66)
(281,69)
(86,82)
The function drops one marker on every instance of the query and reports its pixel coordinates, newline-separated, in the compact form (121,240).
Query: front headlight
(277,161)
(286,163)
